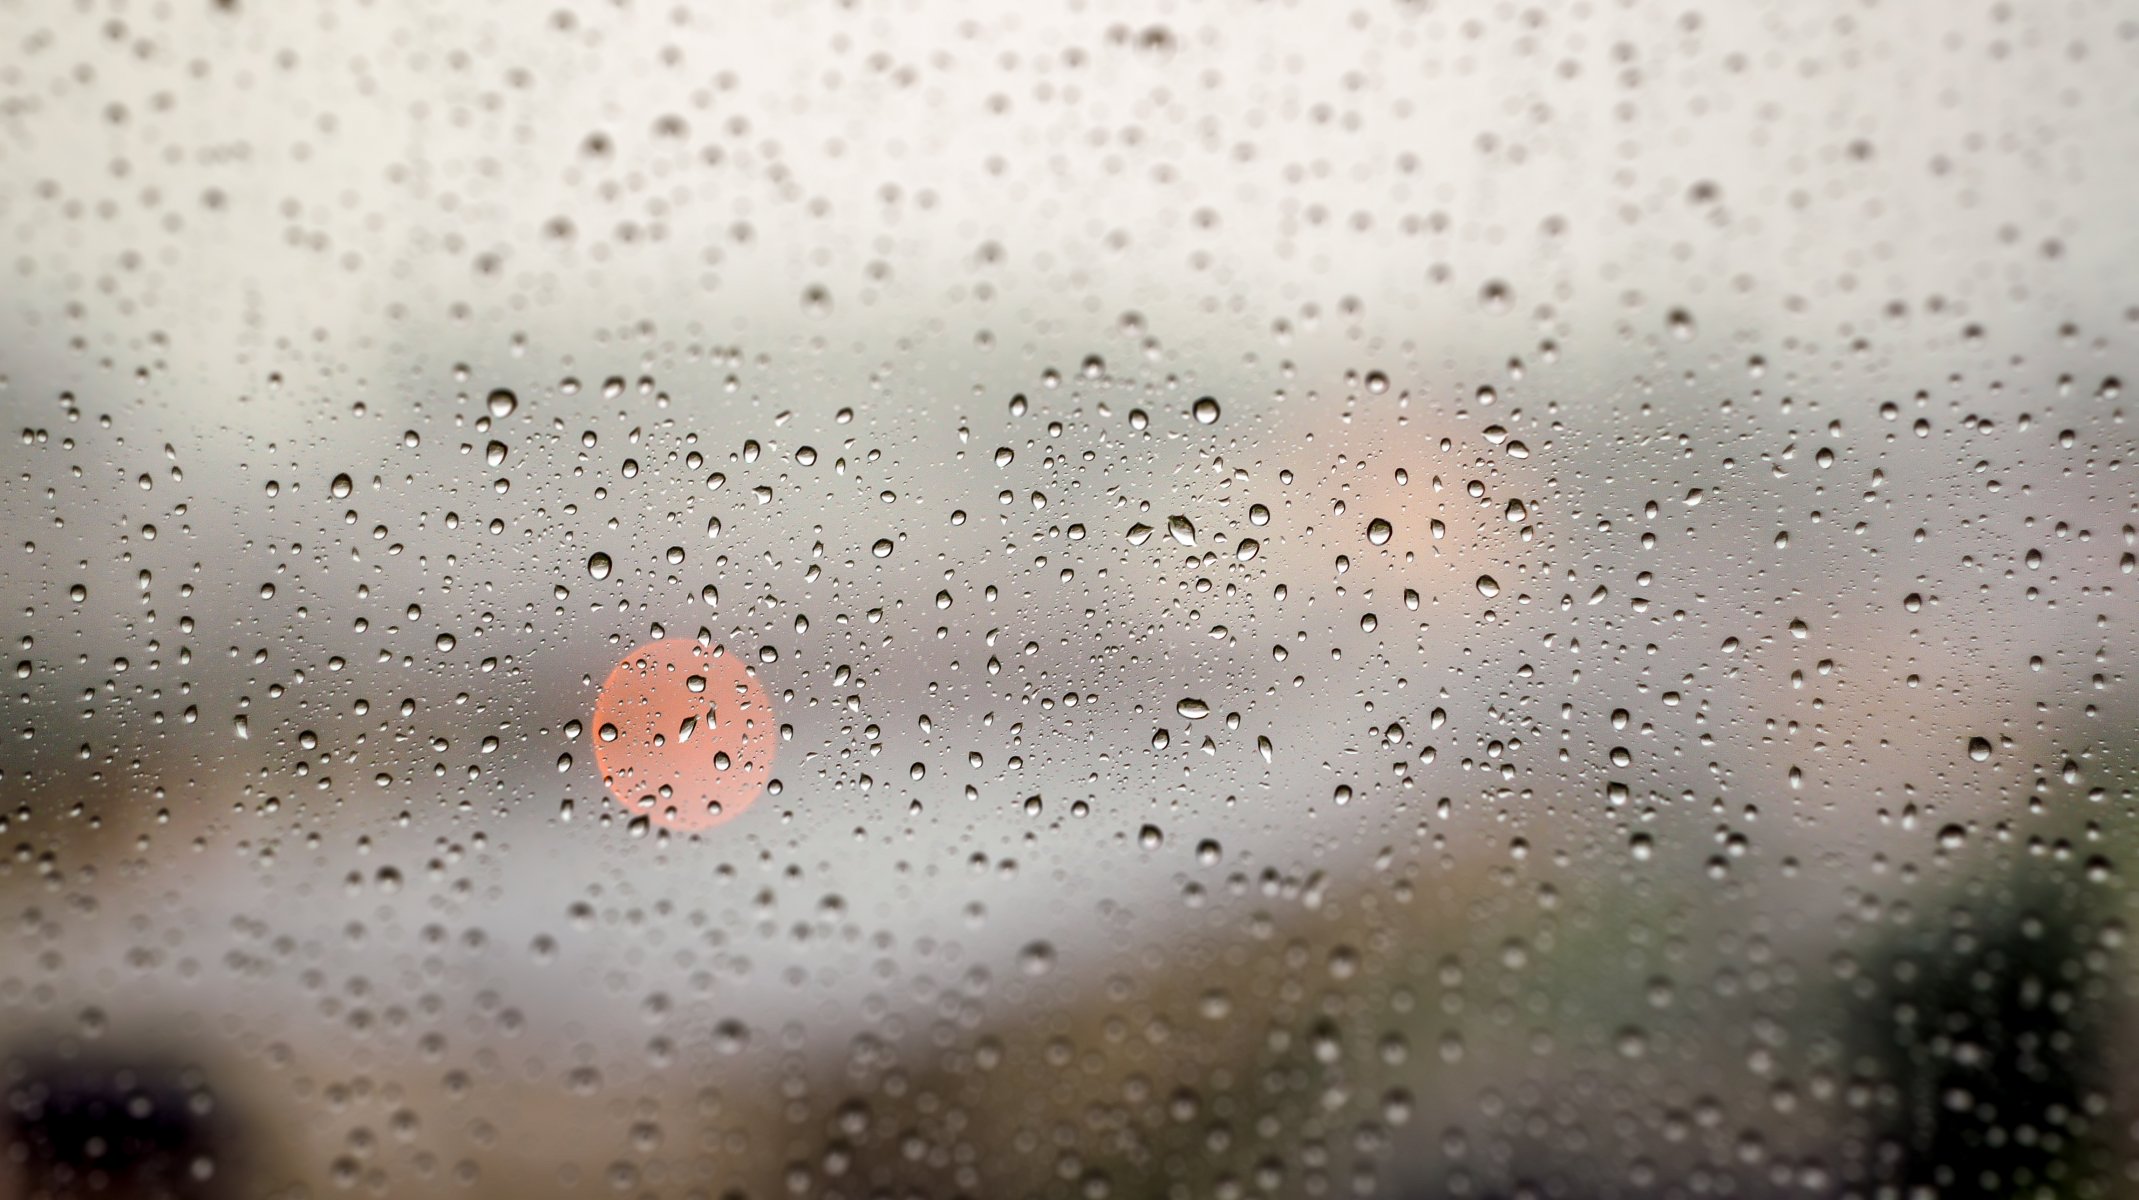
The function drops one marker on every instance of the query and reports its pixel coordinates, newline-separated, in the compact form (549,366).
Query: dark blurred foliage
(113,1125)
(1984,1037)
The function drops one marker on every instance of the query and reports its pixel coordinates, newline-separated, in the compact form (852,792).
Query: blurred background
(1423,599)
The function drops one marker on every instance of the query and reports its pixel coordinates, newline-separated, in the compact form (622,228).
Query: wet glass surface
(946,600)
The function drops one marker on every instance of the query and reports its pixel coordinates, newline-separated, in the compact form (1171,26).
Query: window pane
(1401,599)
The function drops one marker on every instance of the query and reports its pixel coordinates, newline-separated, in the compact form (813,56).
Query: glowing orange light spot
(683,736)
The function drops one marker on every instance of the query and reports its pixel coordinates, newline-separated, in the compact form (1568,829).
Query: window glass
(969,600)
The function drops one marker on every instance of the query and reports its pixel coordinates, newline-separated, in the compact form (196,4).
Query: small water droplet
(1037,958)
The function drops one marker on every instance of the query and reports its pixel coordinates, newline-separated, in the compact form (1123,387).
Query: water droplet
(1182,529)
(1488,586)
(730,1037)
(1206,411)
(1193,709)
(1379,531)
(882,548)
(1037,958)
(598,565)
(501,404)
(1979,748)
(341,487)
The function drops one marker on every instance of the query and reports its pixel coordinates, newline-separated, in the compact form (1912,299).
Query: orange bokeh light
(684,736)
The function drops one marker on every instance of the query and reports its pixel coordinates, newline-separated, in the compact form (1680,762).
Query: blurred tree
(1984,1040)
(113,1125)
